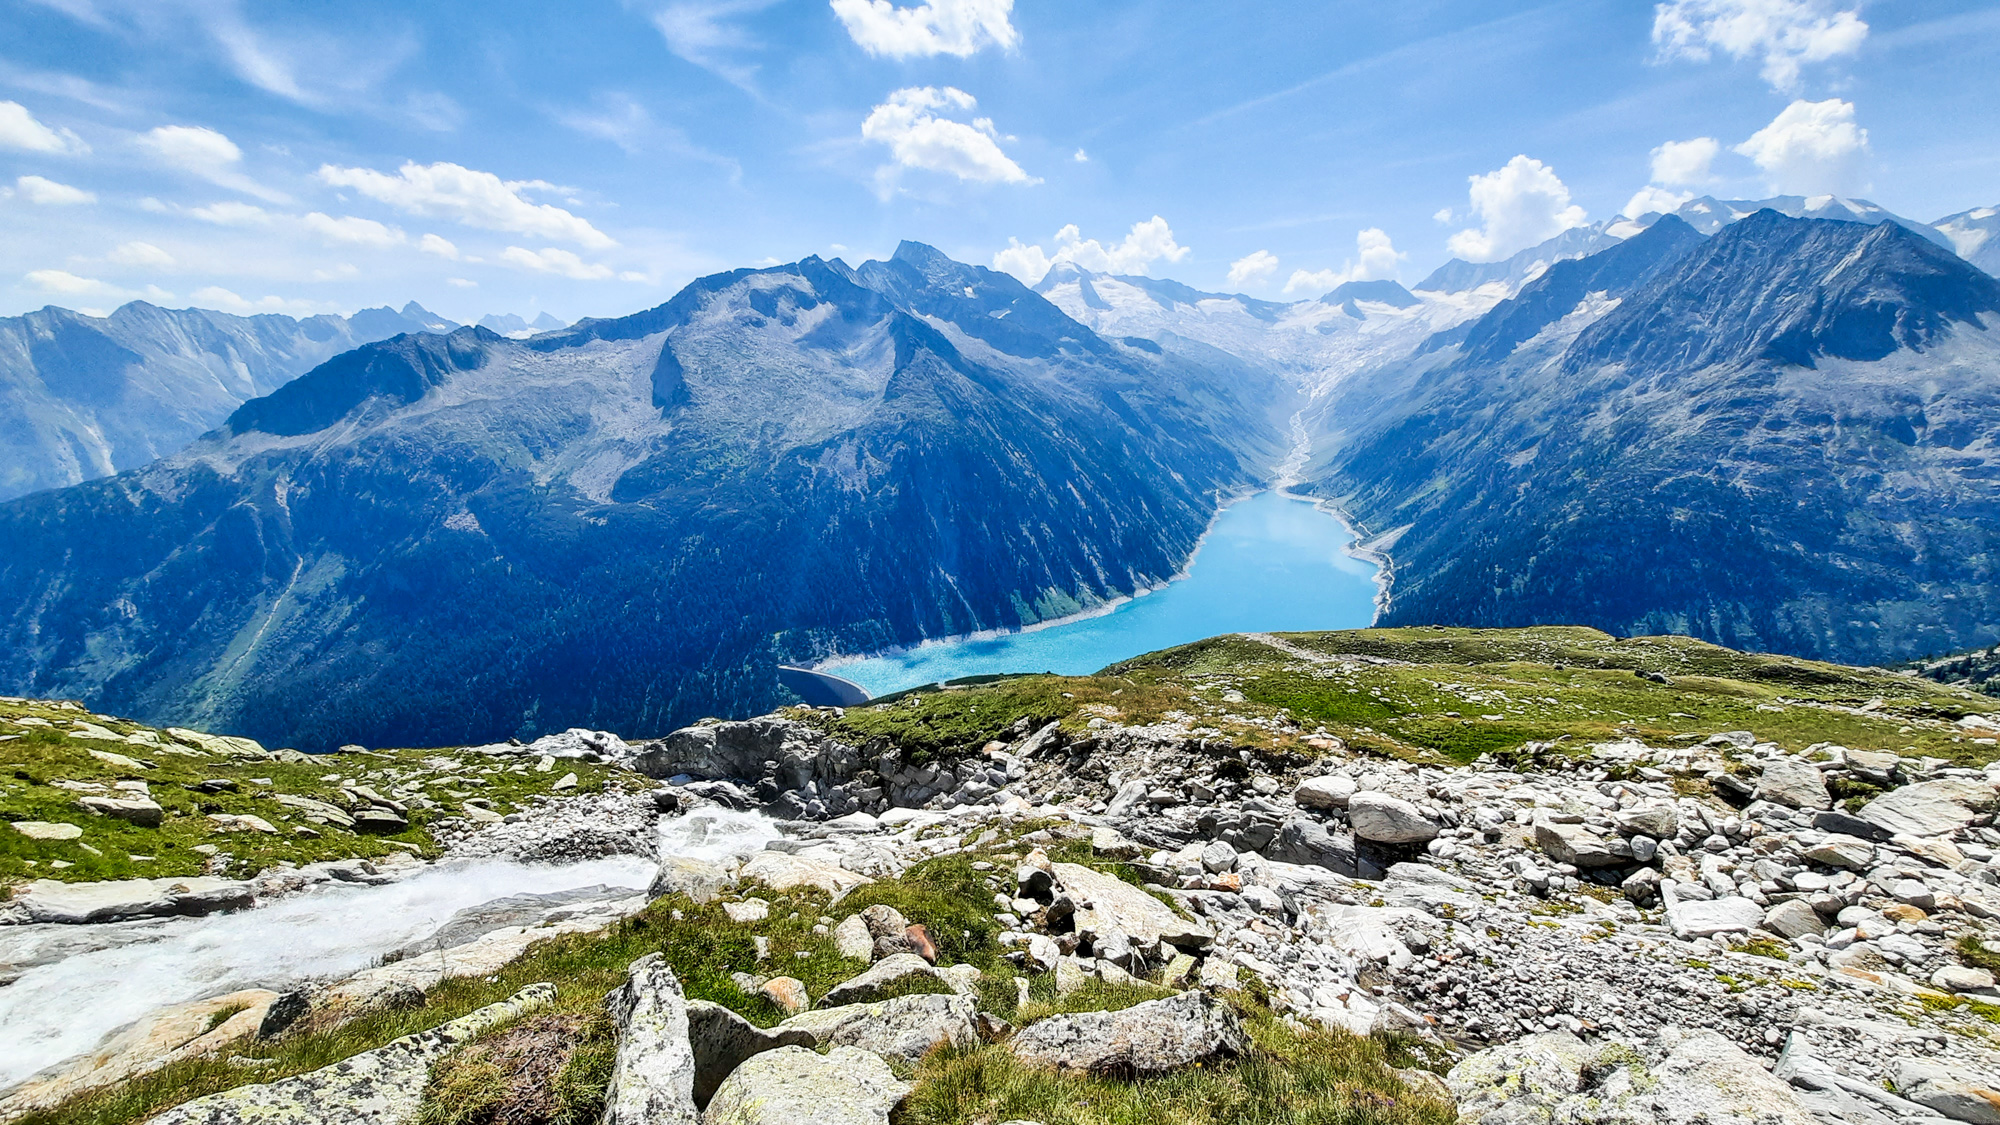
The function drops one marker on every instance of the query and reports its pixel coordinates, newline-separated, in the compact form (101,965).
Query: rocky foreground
(1191,877)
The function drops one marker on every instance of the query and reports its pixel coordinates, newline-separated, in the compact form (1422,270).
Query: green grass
(43,755)
(1972,952)
(1292,1077)
(1450,696)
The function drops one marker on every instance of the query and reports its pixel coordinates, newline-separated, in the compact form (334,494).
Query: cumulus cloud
(442,247)
(143,254)
(1518,205)
(49,193)
(1653,198)
(935,27)
(352,230)
(19,129)
(205,153)
(215,296)
(1375,260)
(1679,163)
(918,137)
(1811,148)
(1147,242)
(1783,34)
(556,261)
(1256,266)
(474,198)
(63,283)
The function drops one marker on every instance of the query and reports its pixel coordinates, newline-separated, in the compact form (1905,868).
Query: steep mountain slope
(628,523)
(83,397)
(1787,438)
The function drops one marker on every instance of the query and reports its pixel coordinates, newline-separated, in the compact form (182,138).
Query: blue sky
(589,158)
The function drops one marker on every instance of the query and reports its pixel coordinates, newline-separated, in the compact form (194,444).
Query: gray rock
(782,872)
(1329,792)
(46,900)
(46,830)
(1791,781)
(1962,978)
(1958,1096)
(142,811)
(1388,820)
(899,971)
(722,1040)
(1704,1080)
(1218,858)
(652,1080)
(1308,842)
(851,939)
(1716,916)
(794,1086)
(1929,808)
(1150,1038)
(899,1030)
(1850,852)
(382,1085)
(1658,819)
(1104,904)
(1794,918)
(1112,844)
(698,879)
(1575,844)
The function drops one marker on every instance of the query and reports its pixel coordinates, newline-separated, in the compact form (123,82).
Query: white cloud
(19,129)
(230,213)
(918,138)
(461,282)
(1678,163)
(66,284)
(934,27)
(1520,205)
(442,247)
(1375,260)
(704,32)
(474,198)
(1655,198)
(206,153)
(215,296)
(552,260)
(50,193)
(141,254)
(1810,148)
(1081,157)
(1784,34)
(1147,242)
(1258,265)
(352,230)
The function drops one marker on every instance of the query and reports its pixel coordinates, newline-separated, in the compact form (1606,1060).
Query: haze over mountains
(1771,431)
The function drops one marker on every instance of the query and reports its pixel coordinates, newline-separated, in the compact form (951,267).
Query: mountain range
(445,539)
(83,397)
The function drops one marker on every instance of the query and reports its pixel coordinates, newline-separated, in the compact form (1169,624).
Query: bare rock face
(385,1084)
(1151,1038)
(652,1082)
(1929,808)
(1105,905)
(722,1040)
(794,1086)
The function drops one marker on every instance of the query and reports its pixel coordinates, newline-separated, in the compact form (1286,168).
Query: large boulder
(1657,819)
(1961,1097)
(899,1030)
(1105,905)
(47,900)
(1790,781)
(1150,1038)
(1929,808)
(1307,842)
(722,1040)
(1388,820)
(1704,1080)
(139,810)
(1330,792)
(794,1086)
(1575,844)
(382,1085)
(652,1080)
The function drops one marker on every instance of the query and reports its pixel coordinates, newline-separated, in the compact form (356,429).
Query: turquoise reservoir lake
(1271,563)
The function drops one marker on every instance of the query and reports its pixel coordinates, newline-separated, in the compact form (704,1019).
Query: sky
(590,158)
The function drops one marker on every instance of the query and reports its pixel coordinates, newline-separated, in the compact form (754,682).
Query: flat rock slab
(897,971)
(1573,843)
(1790,781)
(782,872)
(1388,820)
(47,830)
(1929,808)
(700,880)
(899,1030)
(1151,1038)
(383,1085)
(1107,905)
(794,1086)
(47,900)
(1715,916)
